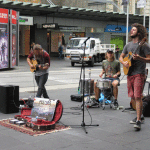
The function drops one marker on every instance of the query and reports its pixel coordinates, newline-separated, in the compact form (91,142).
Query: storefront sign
(70,28)
(24,20)
(3,15)
(50,26)
(116,28)
(14,17)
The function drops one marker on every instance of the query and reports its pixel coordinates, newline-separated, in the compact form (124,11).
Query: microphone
(86,40)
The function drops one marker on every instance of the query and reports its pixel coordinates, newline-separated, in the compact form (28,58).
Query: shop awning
(32,9)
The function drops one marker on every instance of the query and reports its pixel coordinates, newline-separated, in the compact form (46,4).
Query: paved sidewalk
(113,133)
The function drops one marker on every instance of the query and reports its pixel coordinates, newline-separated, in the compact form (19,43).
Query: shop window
(92,45)
(125,8)
(97,5)
(137,10)
(115,9)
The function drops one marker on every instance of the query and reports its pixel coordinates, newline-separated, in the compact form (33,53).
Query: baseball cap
(109,50)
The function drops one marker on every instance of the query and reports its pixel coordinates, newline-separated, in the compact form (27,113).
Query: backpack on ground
(146,105)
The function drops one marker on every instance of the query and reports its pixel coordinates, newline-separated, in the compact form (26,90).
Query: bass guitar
(35,65)
(129,57)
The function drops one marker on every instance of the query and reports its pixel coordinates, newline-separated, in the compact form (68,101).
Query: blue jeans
(60,49)
(117,53)
(41,80)
(112,79)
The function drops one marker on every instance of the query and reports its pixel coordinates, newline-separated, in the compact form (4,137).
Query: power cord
(13,97)
(122,78)
(89,115)
(34,83)
(75,113)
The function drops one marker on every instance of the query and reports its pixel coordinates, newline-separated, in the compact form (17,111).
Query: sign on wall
(24,20)
(4,38)
(116,28)
(50,26)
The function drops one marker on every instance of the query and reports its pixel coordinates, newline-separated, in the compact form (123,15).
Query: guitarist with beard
(136,74)
(41,72)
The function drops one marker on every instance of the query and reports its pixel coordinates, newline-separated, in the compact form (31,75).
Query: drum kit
(106,95)
(106,98)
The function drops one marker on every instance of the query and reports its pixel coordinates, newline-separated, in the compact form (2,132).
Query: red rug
(30,131)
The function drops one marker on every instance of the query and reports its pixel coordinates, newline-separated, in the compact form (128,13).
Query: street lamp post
(144,17)
(127,23)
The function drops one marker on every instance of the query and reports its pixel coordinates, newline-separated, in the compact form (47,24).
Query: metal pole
(127,23)
(144,17)
(149,31)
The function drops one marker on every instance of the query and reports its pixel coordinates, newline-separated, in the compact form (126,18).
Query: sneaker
(137,125)
(134,120)
(116,103)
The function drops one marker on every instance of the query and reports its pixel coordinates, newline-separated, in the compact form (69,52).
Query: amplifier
(9,99)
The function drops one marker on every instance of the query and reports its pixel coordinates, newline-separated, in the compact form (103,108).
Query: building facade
(75,27)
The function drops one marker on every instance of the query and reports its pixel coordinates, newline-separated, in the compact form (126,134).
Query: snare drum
(87,86)
(103,83)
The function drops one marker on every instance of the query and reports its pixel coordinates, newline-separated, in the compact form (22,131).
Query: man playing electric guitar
(41,72)
(136,74)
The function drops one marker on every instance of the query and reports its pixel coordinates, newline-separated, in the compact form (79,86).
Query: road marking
(56,87)
(53,87)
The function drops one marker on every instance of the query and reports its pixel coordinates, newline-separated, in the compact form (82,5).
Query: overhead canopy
(33,9)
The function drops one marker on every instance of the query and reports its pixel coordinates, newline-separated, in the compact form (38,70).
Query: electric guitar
(35,65)
(129,57)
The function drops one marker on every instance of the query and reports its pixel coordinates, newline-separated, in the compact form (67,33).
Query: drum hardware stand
(90,100)
(103,92)
(89,84)
(83,125)
(105,99)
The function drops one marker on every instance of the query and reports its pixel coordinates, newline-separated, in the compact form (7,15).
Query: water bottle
(78,90)
(101,97)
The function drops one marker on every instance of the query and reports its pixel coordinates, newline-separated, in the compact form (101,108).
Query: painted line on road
(56,87)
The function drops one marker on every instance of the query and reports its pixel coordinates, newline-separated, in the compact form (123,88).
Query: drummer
(111,70)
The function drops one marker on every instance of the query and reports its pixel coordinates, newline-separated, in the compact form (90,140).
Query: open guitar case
(40,124)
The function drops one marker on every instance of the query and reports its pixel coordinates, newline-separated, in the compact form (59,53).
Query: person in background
(117,51)
(60,48)
(31,48)
(70,36)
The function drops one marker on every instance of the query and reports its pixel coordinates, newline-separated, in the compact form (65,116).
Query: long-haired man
(111,70)
(136,73)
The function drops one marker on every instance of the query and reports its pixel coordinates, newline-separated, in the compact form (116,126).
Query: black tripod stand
(83,103)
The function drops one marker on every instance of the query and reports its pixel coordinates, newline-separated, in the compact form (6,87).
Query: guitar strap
(43,57)
(131,68)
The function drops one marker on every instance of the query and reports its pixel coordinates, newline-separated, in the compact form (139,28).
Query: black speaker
(9,99)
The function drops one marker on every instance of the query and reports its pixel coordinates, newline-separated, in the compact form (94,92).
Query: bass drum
(89,86)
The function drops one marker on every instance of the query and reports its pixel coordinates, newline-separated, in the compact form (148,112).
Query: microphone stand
(83,68)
